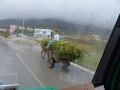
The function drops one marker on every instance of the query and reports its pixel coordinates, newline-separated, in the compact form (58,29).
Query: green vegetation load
(44,42)
(72,50)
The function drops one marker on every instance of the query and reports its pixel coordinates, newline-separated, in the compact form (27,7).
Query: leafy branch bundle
(72,50)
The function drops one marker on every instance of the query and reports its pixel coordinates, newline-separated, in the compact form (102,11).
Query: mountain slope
(44,23)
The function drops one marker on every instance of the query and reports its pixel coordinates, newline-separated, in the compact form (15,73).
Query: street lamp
(23,20)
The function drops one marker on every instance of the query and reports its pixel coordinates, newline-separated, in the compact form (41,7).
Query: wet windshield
(53,43)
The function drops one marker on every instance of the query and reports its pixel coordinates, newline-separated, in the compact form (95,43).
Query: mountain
(54,24)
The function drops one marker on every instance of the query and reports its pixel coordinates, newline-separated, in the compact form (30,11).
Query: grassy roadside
(5,35)
(91,61)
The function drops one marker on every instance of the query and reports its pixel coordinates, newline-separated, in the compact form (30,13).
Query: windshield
(53,43)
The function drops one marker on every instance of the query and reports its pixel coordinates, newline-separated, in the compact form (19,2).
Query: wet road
(27,58)
(12,70)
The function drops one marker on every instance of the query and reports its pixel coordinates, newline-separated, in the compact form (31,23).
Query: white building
(13,26)
(3,30)
(96,37)
(29,28)
(20,27)
(42,32)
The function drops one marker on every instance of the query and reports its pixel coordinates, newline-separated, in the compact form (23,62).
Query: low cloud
(95,11)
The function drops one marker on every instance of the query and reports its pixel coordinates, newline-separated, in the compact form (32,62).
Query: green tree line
(17,30)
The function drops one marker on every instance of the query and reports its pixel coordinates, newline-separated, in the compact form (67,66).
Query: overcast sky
(97,11)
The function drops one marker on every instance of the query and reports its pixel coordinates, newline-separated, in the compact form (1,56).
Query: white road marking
(29,69)
(82,68)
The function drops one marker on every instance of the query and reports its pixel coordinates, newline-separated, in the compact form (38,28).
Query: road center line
(29,69)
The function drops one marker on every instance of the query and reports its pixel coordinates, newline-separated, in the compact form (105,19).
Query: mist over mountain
(44,23)
(56,24)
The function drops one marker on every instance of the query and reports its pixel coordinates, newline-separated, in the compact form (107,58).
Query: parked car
(36,37)
(30,35)
(61,37)
(22,35)
(17,35)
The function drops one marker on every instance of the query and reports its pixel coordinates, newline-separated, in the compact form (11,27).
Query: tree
(17,30)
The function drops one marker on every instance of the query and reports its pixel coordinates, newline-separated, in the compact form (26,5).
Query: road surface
(24,60)
(12,70)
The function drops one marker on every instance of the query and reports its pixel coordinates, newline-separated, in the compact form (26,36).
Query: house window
(44,32)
